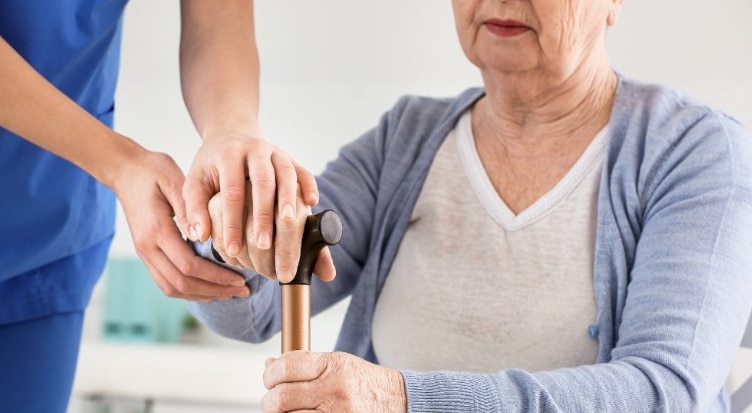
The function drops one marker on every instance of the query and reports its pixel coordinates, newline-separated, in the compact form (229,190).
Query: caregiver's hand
(331,383)
(148,188)
(281,260)
(223,165)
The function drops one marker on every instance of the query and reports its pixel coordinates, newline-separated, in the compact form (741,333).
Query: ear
(613,12)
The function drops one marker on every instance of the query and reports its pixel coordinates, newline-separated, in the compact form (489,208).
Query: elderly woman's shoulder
(416,108)
(654,105)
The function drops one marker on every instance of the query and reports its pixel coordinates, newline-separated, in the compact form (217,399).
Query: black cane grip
(321,229)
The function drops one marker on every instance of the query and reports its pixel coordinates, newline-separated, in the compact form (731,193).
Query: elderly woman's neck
(534,106)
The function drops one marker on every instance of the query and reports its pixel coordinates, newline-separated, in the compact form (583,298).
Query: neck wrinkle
(535,108)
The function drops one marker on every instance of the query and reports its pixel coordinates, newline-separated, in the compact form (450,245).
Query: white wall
(330,68)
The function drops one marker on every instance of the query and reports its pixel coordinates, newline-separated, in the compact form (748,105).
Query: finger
(248,251)
(287,184)
(244,258)
(172,189)
(287,244)
(171,186)
(294,366)
(324,267)
(167,288)
(292,397)
(288,225)
(261,261)
(219,247)
(217,238)
(197,190)
(189,274)
(263,191)
(159,279)
(232,190)
(307,183)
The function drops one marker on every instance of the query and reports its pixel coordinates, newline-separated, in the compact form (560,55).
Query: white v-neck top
(503,291)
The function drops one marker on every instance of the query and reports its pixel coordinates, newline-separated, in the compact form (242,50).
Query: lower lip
(506,31)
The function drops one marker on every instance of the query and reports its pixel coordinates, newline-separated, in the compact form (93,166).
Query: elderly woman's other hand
(280,261)
(329,383)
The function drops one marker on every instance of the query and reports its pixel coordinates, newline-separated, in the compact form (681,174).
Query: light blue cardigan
(673,259)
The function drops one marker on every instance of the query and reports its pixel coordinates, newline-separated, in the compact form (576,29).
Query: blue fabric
(673,268)
(52,210)
(38,362)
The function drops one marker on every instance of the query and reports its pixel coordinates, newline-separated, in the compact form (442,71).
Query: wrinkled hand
(331,383)
(149,193)
(279,262)
(222,166)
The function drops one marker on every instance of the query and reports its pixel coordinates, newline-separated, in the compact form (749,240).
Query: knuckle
(285,167)
(233,193)
(286,253)
(142,244)
(232,229)
(185,266)
(263,176)
(263,218)
(180,285)
(265,266)
(170,291)
(230,148)
(286,224)
(249,235)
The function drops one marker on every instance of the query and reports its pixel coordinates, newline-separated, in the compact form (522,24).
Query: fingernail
(238,283)
(264,241)
(287,211)
(313,198)
(192,233)
(234,248)
(196,231)
(243,293)
(288,277)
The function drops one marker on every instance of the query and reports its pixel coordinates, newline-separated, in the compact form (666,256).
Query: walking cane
(321,229)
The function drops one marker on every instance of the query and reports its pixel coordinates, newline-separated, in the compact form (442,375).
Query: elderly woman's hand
(280,261)
(329,383)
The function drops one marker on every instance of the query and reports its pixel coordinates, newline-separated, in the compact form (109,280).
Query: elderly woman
(563,240)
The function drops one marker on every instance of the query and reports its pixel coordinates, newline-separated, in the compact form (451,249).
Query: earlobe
(610,19)
(613,13)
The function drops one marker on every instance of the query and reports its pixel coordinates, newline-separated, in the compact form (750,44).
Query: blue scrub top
(56,221)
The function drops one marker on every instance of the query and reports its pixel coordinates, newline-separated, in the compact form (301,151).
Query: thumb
(171,191)
(197,195)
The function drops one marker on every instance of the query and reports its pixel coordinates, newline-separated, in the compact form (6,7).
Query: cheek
(467,32)
(569,29)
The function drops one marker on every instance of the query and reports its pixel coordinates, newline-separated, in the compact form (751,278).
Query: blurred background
(330,68)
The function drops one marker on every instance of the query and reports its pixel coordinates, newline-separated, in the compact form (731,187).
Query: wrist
(120,155)
(399,393)
(238,130)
